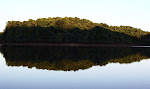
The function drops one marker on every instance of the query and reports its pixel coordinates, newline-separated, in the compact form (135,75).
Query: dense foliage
(69,23)
(59,35)
(70,30)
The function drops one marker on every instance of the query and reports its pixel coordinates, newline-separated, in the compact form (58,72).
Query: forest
(71,30)
(71,58)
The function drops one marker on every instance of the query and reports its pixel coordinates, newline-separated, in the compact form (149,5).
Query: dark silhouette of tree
(70,30)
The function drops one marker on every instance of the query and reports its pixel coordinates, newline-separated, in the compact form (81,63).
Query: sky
(133,13)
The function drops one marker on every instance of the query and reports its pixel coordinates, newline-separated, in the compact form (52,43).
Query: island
(71,31)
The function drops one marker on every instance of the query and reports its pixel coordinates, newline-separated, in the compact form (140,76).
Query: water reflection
(70,58)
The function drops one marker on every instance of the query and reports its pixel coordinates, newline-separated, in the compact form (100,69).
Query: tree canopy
(70,30)
(69,23)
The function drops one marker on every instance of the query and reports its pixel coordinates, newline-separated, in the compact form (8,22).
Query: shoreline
(70,45)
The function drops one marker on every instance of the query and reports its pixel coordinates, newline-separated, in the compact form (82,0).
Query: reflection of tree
(70,58)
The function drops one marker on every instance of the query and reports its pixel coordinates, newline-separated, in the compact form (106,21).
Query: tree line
(70,30)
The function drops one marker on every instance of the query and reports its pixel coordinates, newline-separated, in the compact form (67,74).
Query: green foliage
(69,23)
(129,30)
(70,30)
(97,35)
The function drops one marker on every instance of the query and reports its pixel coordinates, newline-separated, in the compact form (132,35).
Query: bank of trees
(98,35)
(69,23)
(69,30)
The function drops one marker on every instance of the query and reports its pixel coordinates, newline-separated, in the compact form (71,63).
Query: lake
(27,67)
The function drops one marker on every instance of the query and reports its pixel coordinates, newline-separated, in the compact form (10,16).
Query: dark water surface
(23,67)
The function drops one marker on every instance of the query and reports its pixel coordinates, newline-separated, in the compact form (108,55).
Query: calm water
(74,68)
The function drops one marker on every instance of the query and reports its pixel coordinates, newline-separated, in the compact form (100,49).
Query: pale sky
(133,13)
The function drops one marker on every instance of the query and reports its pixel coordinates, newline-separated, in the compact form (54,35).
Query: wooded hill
(70,30)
